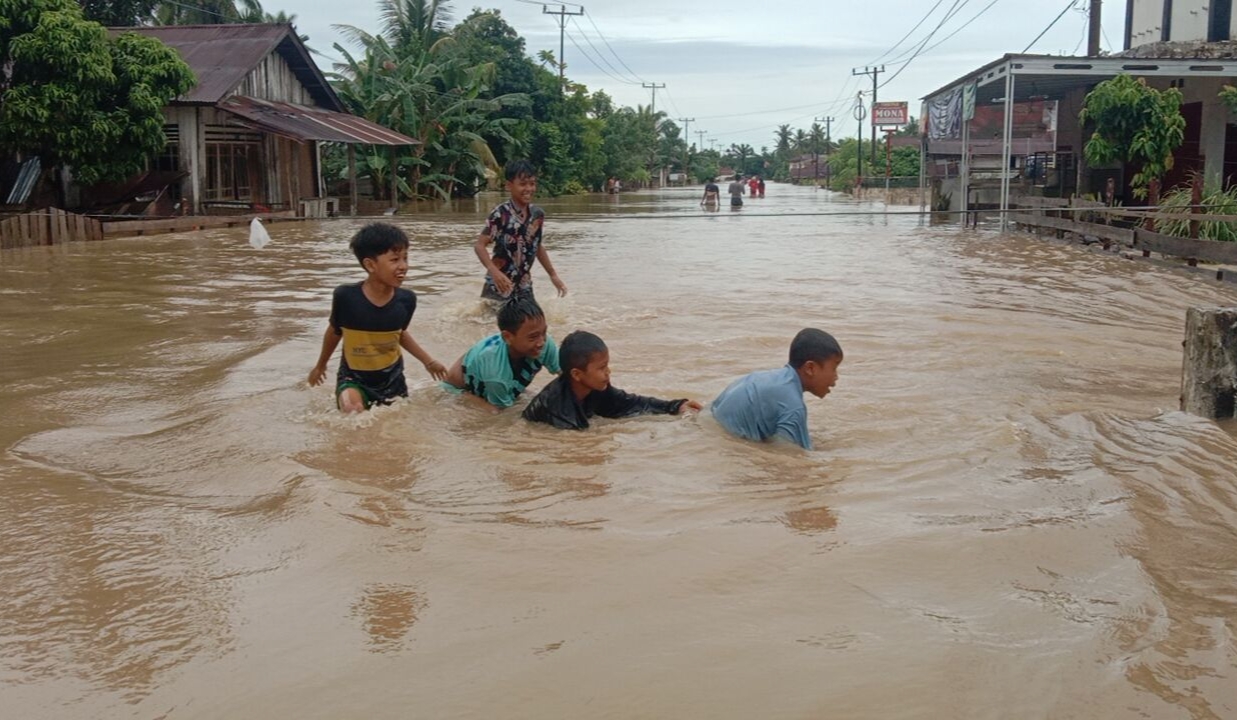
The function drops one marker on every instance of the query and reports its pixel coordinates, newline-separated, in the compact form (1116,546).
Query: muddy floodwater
(1005,515)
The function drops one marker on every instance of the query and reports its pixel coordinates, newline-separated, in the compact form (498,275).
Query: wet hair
(514,312)
(578,349)
(813,344)
(517,168)
(377,239)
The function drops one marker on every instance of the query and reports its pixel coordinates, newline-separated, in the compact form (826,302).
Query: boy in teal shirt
(498,368)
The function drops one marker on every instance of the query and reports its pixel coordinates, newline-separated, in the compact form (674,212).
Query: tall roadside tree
(1133,123)
(77,97)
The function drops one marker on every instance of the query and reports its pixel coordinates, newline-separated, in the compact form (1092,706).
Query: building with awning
(248,136)
(1035,145)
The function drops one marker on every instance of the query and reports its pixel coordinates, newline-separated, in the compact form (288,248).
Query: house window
(169,159)
(228,168)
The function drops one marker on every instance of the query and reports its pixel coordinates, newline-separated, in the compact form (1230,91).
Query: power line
(953,10)
(607,43)
(673,105)
(593,62)
(1054,22)
(600,56)
(908,33)
(938,43)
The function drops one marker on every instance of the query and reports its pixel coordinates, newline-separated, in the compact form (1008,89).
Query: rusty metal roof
(221,56)
(302,123)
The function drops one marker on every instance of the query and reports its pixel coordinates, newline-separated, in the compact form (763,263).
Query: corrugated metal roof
(221,56)
(305,123)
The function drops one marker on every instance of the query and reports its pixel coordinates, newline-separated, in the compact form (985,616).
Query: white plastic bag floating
(258,237)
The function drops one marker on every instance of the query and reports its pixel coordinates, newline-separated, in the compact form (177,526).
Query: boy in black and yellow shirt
(372,318)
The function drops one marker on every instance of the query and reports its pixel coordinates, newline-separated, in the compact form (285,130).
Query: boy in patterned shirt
(371,317)
(515,229)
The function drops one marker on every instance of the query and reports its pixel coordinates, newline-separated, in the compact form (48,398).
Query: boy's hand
(689,406)
(437,370)
(559,285)
(316,375)
(502,283)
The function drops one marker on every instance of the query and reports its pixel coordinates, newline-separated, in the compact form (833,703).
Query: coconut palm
(784,136)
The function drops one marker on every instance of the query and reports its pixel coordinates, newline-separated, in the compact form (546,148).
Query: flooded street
(1005,515)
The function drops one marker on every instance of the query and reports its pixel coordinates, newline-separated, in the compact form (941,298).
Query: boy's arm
(330,341)
(793,427)
(493,395)
(544,258)
(615,403)
(501,281)
(437,370)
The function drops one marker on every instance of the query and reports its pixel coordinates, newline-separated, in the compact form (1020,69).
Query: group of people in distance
(712,194)
(372,317)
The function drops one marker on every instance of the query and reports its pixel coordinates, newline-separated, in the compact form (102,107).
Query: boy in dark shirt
(584,390)
(372,317)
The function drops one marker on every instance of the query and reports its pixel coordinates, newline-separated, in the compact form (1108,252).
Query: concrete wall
(1189,21)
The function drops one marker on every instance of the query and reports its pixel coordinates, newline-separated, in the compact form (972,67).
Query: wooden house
(248,137)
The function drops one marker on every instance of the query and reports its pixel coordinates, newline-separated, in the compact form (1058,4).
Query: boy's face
(388,268)
(529,340)
(522,188)
(596,375)
(819,377)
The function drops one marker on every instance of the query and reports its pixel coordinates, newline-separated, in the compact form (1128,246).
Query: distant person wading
(736,192)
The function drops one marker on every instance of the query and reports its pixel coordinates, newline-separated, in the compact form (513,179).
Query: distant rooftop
(1187,50)
(221,56)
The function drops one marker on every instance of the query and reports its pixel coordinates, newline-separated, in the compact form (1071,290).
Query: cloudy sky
(742,67)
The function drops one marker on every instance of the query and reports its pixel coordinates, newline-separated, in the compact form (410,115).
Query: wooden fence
(1061,217)
(47,227)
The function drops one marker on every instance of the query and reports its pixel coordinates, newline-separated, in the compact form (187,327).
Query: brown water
(1005,516)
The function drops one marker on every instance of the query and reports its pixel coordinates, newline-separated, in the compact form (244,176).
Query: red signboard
(890,113)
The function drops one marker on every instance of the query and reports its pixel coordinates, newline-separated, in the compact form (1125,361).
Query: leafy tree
(119,13)
(208,12)
(1133,123)
(77,97)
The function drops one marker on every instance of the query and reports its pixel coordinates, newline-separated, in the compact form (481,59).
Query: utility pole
(828,121)
(562,12)
(1093,30)
(687,149)
(858,112)
(873,71)
(654,87)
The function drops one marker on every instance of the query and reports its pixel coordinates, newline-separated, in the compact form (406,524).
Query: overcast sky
(742,67)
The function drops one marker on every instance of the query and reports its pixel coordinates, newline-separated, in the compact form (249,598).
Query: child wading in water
(515,229)
(372,317)
(769,403)
(584,390)
(498,368)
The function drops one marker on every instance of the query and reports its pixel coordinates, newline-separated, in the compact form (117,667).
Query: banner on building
(968,101)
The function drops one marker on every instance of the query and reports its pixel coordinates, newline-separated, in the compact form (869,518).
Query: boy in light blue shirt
(769,403)
(498,368)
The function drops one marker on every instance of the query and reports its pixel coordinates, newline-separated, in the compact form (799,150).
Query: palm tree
(783,135)
(404,93)
(738,154)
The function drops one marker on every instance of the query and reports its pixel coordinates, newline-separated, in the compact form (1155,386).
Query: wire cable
(599,54)
(1072,3)
(589,15)
(590,59)
(953,10)
(908,33)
